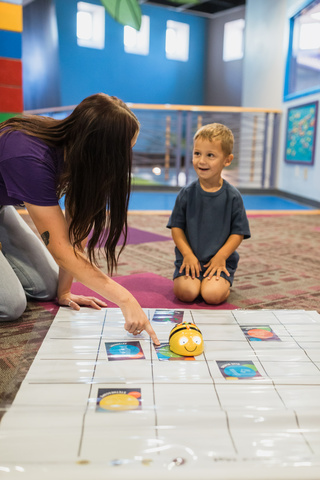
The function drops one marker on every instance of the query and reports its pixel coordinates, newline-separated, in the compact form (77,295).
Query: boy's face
(209,159)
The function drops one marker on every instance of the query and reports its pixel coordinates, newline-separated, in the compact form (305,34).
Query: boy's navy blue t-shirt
(209,218)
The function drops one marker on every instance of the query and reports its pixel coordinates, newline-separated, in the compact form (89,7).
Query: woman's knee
(43,288)
(13,307)
(13,300)
(45,294)
(51,292)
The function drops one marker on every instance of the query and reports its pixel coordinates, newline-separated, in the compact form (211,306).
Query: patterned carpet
(279,269)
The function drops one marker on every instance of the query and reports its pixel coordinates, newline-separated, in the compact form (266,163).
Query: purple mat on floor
(136,236)
(151,291)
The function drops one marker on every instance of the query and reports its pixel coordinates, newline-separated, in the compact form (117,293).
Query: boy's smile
(209,161)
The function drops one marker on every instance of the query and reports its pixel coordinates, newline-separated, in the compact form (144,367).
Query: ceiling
(202,7)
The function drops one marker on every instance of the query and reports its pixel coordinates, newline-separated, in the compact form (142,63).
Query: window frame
(287,96)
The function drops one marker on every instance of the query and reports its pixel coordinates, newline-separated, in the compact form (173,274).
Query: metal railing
(163,152)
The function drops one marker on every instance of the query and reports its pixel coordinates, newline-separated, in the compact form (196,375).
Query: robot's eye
(197,339)
(183,340)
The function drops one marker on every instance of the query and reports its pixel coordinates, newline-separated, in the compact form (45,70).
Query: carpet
(136,236)
(151,291)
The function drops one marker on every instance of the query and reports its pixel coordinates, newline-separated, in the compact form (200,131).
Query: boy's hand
(191,264)
(216,265)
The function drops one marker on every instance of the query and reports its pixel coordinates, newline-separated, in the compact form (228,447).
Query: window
(177,41)
(303,66)
(233,40)
(137,41)
(90,25)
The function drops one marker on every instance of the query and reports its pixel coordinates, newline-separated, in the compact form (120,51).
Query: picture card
(164,353)
(130,350)
(259,333)
(238,370)
(118,399)
(173,316)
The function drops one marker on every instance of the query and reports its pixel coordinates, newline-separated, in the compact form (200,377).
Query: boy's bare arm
(217,263)
(190,262)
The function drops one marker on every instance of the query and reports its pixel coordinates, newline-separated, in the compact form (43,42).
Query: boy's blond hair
(217,131)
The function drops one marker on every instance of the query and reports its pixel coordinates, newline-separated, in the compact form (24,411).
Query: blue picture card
(124,350)
(238,370)
(173,316)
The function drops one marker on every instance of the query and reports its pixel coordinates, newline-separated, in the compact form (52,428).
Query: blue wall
(133,78)
(40,56)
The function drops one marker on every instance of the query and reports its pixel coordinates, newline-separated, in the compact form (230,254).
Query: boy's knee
(185,293)
(215,296)
(186,296)
(214,299)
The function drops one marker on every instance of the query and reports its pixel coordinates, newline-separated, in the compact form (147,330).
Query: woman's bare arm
(53,228)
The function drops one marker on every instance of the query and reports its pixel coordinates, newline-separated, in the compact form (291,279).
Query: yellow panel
(10,17)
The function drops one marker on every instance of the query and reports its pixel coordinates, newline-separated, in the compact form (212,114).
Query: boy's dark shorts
(231,265)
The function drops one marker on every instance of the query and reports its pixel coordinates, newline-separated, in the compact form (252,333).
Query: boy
(208,222)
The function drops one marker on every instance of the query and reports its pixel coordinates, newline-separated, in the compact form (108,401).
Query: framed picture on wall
(301,134)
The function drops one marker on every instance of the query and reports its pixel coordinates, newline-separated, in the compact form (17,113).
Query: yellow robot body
(186,339)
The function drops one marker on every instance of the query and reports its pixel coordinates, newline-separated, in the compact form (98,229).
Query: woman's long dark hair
(96,179)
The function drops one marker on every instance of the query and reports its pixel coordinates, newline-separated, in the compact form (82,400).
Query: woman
(86,157)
